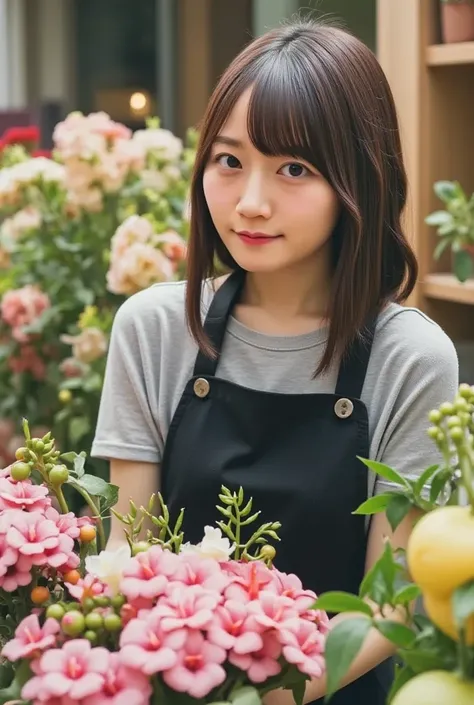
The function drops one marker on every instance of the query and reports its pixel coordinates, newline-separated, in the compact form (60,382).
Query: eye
(227,161)
(295,170)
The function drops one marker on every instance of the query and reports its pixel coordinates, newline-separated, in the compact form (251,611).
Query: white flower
(161,141)
(108,566)
(213,545)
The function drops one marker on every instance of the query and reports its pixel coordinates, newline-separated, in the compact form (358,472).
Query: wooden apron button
(201,387)
(343,408)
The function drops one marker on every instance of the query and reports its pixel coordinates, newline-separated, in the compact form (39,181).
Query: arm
(137,481)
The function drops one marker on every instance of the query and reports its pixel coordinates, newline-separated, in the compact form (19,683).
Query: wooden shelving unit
(433,86)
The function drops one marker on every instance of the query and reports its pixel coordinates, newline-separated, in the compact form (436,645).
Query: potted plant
(455,227)
(457,21)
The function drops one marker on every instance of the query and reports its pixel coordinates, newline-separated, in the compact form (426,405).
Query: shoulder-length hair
(318,94)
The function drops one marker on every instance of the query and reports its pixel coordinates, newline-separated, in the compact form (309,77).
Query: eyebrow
(229,141)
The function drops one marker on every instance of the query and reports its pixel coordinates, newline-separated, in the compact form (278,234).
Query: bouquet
(158,620)
(435,645)
(103,217)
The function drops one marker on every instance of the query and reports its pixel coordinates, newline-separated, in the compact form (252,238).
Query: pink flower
(31,638)
(17,575)
(20,307)
(23,495)
(28,360)
(122,686)
(290,585)
(8,555)
(147,574)
(76,670)
(191,607)
(232,628)
(262,664)
(61,556)
(173,245)
(194,569)
(89,586)
(145,646)
(67,523)
(198,669)
(272,611)
(249,579)
(303,645)
(32,535)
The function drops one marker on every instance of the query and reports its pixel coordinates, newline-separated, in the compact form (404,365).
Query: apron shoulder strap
(215,324)
(354,365)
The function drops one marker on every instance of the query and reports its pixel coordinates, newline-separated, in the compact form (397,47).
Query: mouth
(256,238)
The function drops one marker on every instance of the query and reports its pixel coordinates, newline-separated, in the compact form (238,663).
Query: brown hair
(319,94)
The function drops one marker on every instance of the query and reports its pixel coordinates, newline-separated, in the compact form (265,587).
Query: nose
(254,201)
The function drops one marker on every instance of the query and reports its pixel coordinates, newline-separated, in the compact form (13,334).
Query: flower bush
(104,217)
(155,619)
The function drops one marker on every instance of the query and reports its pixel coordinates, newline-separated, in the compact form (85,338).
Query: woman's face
(271,212)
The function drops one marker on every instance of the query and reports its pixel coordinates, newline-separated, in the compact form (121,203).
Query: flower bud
(73,623)
(466,391)
(446,409)
(457,434)
(140,547)
(20,471)
(112,622)
(55,612)
(94,621)
(22,454)
(268,552)
(435,416)
(91,636)
(58,475)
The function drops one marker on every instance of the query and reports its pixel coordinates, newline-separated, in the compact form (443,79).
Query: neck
(302,290)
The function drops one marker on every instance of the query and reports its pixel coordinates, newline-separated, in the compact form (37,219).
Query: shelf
(447,288)
(450,54)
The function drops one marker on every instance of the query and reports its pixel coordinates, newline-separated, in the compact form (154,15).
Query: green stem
(465,665)
(61,499)
(237,534)
(95,513)
(466,472)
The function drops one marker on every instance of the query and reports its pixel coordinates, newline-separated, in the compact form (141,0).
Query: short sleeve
(419,375)
(126,427)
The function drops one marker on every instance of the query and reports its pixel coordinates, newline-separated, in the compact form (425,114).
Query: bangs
(283,113)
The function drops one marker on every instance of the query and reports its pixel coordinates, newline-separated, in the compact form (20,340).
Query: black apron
(295,454)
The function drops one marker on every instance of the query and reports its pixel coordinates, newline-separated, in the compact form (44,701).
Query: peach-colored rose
(134,229)
(28,360)
(90,199)
(163,142)
(20,307)
(28,218)
(88,345)
(172,245)
(70,367)
(141,266)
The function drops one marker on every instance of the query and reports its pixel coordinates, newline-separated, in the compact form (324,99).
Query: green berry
(102,601)
(21,454)
(89,604)
(446,409)
(73,623)
(435,416)
(58,475)
(433,432)
(91,636)
(38,445)
(94,621)
(55,612)
(466,391)
(118,601)
(20,471)
(112,622)
(453,421)
(457,434)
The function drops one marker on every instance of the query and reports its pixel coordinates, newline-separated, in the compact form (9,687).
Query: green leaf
(79,426)
(298,690)
(342,602)
(407,594)
(438,483)
(399,634)
(397,510)
(424,477)
(463,603)
(375,504)
(403,674)
(419,660)
(246,696)
(438,218)
(446,190)
(95,486)
(13,692)
(373,585)
(463,265)
(109,500)
(79,462)
(343,644)
(386,472)
(441,247)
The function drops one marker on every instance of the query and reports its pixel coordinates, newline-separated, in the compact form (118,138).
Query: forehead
(236,124)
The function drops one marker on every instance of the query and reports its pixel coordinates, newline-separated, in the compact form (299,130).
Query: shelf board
(447,288)
(450,54)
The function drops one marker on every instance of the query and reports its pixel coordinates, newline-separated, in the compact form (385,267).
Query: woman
(277,377)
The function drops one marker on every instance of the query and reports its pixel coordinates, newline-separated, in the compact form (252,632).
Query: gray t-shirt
(413,368)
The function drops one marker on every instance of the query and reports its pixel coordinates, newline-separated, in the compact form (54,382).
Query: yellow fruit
(65,396)
(440,612)
(440,551)
(40,595)
(435,688)
(87,534)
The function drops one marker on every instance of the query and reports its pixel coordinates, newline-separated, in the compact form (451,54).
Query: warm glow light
(138,102)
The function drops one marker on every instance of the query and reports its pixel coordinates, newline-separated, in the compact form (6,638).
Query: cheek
(216,193)
(319,206)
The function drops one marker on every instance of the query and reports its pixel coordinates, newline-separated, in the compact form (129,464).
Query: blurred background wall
(135,58)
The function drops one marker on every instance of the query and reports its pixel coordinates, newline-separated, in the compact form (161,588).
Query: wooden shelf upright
(433,85)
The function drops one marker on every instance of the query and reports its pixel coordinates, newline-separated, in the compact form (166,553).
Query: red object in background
(40,153)
(21,135)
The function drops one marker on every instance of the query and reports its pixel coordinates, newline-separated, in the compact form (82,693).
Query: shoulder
(160,307)
(407,336)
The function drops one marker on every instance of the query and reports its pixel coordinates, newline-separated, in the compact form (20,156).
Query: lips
(256,238)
